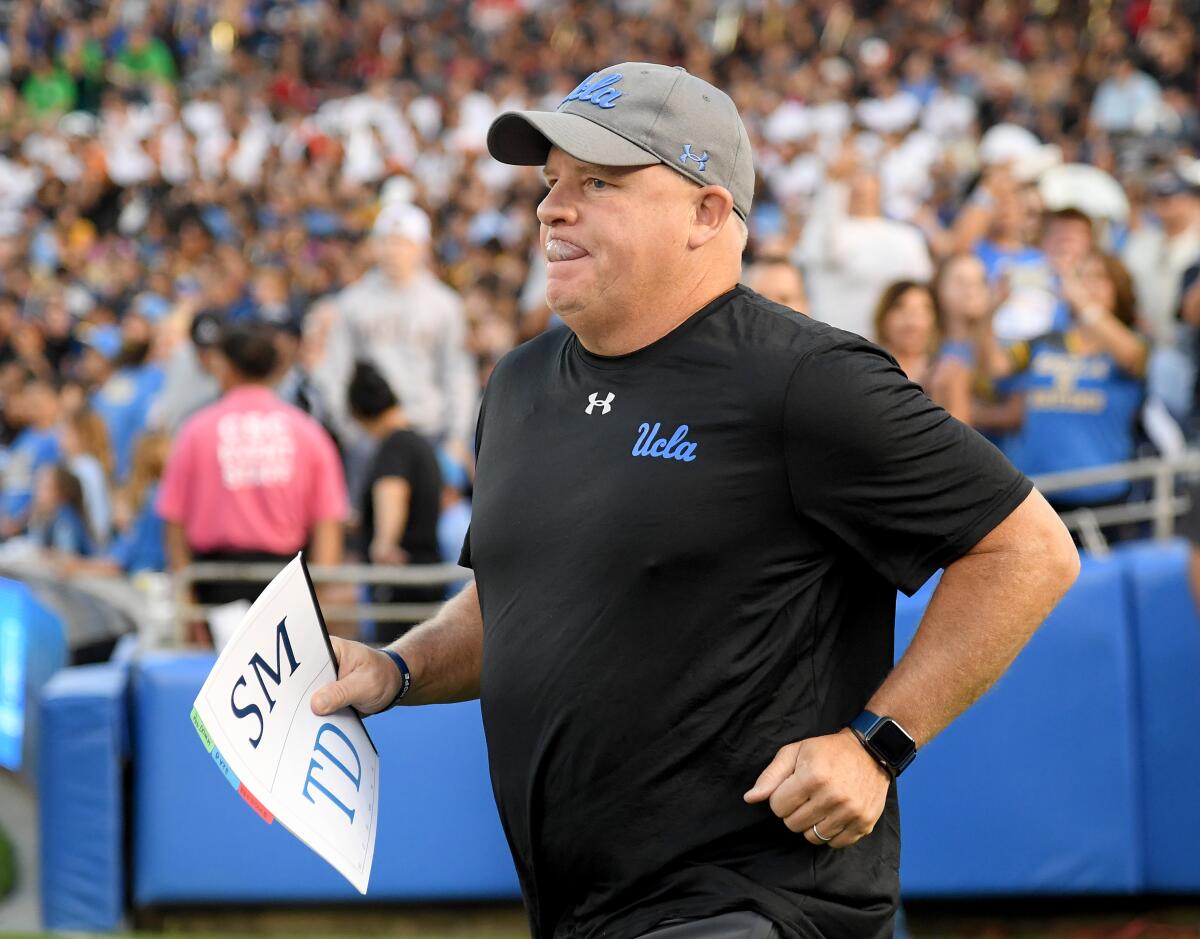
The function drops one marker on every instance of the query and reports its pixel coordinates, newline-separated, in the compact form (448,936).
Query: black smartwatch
(889,743)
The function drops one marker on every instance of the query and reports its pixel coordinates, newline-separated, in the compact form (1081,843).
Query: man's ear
(710,213)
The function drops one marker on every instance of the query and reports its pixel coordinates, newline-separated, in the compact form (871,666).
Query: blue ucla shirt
(1080,412)
(1033,306)
(124,404)
(32,450)
(140,548)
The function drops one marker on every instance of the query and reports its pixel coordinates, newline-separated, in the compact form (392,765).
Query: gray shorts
(739,925)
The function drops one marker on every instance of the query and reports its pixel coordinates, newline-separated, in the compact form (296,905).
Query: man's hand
(830,782)
(368,680)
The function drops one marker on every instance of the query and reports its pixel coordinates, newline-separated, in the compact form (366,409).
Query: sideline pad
(1034,790)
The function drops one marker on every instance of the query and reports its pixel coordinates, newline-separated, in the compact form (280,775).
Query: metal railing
(1164,505)
(415,575)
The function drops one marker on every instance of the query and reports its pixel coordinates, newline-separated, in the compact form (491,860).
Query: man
(250,478)
(776,279)
(191,382)
(1158,255)
(849,252)
(401,494)
(692,512)
(411,326)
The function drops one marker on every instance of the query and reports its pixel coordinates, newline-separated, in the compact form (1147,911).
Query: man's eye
(598,183)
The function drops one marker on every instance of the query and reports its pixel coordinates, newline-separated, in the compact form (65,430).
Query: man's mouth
(558,249)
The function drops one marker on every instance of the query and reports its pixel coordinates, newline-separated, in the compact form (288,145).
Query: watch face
(892,743)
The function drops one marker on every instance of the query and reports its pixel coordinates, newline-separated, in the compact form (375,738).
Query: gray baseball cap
(638,114)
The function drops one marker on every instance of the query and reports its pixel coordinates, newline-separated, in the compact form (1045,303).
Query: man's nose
(557,207)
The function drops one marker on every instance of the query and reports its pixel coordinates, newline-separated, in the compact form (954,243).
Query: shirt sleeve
(885,470)
(396,458)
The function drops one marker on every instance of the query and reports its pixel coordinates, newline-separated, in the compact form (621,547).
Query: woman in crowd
(961,293)
(89,457)
(1082,387)
(908,324)
(402,493)
(57,520)
(139,542)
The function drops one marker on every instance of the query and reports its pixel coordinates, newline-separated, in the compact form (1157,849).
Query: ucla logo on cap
(600,93)
(701,161)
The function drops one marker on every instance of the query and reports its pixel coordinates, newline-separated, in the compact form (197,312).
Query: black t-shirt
(688,557)
(409,456)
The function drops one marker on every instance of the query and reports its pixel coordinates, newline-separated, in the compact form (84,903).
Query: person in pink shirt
(251,478)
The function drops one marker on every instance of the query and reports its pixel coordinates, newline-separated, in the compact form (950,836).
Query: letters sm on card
(318,776)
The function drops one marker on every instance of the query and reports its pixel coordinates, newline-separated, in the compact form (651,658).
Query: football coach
(692,513)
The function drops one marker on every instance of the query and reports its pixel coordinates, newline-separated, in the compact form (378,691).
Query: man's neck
(402,280)
(389,422)
(242,384)
(636,329)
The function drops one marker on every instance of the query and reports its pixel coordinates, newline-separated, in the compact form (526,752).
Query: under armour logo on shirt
(700,161)
(594,401)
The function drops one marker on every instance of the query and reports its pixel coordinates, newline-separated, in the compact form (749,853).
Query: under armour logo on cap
(700,161)
(594,401)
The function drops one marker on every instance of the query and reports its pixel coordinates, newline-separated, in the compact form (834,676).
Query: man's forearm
(445,653)
(988,604)
(179,555)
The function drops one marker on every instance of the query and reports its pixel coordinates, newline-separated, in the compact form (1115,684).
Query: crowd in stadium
(197,195)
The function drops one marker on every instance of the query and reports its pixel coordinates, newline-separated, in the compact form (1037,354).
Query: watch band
(865,727)
(405,675)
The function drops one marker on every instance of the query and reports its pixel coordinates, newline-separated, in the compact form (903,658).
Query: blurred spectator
(402,319)
(402,494)
(36,411)
(49,90)
(1128,100)
(250,478)
(89,458)
(850,252)
(1082,388)
(962,294)
(908,324)
(145,60)
(1159,251)
(190,382)
(56,521)
(126,385)
(778,281)
(456,510)
(296,385)
(1159,256)
(139,542)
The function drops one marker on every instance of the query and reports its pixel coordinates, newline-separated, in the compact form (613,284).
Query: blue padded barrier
(33,647)
(196,841)
(1167,652)
(1034,790)
(84,745)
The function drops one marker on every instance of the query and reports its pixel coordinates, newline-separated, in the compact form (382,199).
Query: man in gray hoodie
(410,325)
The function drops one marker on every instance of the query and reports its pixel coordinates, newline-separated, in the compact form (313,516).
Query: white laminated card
(317,776)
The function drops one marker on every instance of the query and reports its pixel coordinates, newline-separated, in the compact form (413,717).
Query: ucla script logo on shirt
(676,447)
